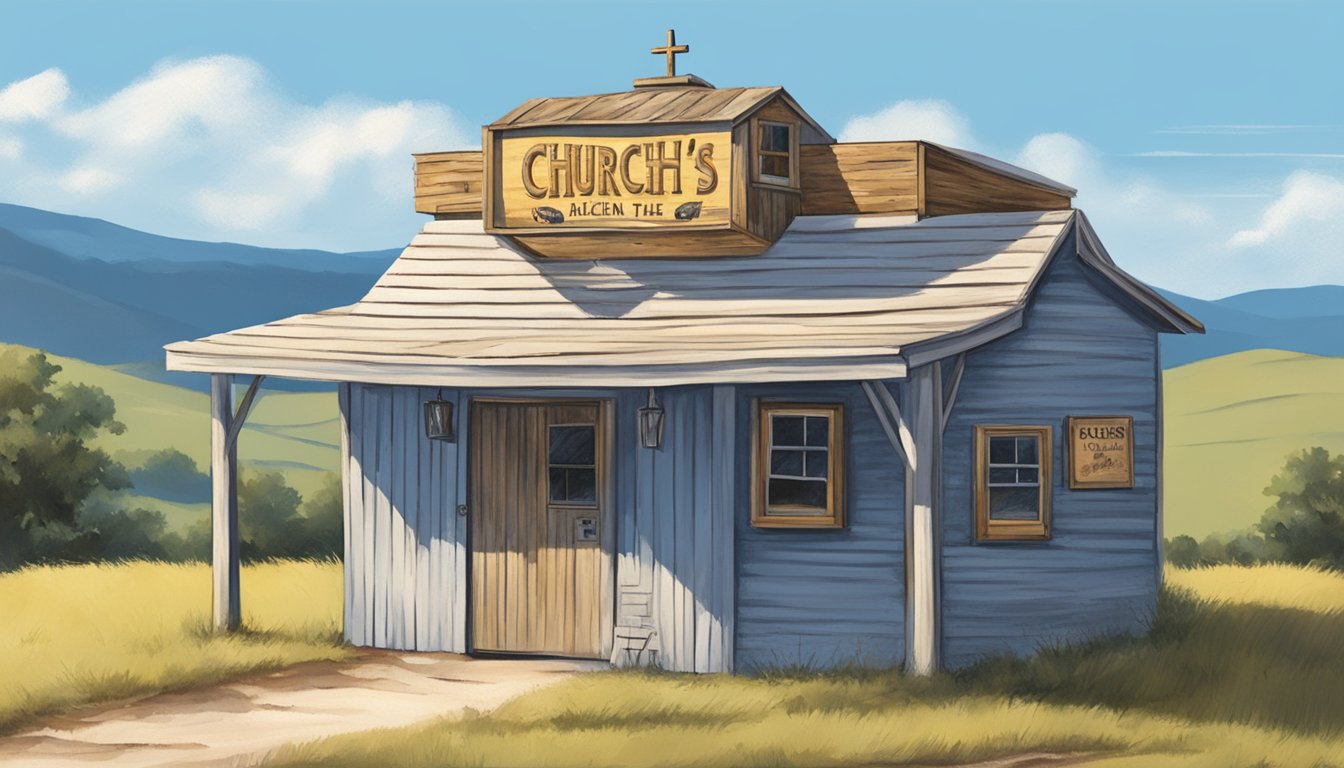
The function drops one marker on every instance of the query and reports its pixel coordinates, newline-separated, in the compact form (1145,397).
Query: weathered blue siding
(824,597)
(697,588)
(406,560)
(1078,353)
(674,538)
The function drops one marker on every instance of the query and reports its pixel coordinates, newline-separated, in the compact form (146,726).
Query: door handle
(462,510)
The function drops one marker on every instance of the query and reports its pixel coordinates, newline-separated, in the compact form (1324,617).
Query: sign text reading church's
(614,181)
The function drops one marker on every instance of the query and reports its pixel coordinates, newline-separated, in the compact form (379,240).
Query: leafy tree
(1307,521)
(1182,551)
(1305,526)
(171,475)
(274,521)
(105,530)
(324,521)
(46,468)
(268,516)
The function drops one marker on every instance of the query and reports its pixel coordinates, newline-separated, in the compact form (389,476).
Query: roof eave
(1167,316)
(449,375)
(781,92)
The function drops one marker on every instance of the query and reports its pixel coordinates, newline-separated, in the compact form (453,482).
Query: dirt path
(238,723)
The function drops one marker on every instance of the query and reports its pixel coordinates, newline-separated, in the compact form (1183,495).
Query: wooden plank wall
(405,558)
(449,183)
(876,177)
(864,177)
(1077,354)
(954,185)
(675,567)
(825,598)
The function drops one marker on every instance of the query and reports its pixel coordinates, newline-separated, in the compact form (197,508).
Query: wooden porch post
(224,505)
(916,435)
(923,481)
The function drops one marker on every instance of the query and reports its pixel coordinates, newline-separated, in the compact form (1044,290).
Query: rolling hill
(295,433)
(1231,421)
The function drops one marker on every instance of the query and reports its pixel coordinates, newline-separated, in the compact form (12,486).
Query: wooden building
(672,377)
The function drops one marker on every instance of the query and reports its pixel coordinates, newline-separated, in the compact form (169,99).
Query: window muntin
(798,466)
(775,152)
(1012,494)
(572,464)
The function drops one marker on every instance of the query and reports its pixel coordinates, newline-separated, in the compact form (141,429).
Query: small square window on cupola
(777,153)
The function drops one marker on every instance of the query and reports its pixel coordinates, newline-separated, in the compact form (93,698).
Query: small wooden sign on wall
(1101,451)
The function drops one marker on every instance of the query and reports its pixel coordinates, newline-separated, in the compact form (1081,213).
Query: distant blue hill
(1288,303)
(86,238)
(107,294)
(1307,320)
(100,292)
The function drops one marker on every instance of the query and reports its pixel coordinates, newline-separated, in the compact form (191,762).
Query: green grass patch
(1227,677)
(78,635)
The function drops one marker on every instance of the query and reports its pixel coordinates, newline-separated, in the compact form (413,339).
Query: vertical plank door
(537,509)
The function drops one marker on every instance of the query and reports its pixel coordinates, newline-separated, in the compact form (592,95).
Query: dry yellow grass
(1243,668)
(621,720)
(1270,586)
(74,635)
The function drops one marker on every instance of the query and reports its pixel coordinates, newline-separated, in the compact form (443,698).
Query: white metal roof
(837,297)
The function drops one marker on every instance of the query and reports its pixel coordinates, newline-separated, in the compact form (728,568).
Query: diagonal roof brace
(240,416)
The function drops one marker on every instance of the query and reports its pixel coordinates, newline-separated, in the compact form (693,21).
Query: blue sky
(1207,139)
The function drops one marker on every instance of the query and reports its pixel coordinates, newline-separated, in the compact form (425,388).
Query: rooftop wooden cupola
(679,168)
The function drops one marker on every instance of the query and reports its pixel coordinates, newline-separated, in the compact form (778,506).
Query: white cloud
(88,180)
(1200,244)
(1310,201)
(929,119)
(1058,156)
(1153,231)
(10,148)
(35,98)
(209,148)
(312,152)
(202,96)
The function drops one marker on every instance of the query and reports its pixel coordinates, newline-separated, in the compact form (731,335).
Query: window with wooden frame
(798,466)
(776,152)
(1012,483)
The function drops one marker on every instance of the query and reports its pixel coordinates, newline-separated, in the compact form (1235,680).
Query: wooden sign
(559,182)
(1101,451)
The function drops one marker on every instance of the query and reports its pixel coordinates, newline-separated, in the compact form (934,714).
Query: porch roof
(837,297)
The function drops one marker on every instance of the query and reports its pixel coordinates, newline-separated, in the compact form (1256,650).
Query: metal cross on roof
(671,50)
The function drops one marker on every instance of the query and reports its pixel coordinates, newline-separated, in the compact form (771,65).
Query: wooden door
(538,514)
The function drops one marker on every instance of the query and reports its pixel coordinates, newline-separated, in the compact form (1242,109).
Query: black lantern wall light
(651,423)
(439,419)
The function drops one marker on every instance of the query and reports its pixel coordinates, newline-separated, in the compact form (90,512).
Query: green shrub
(1305,526)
